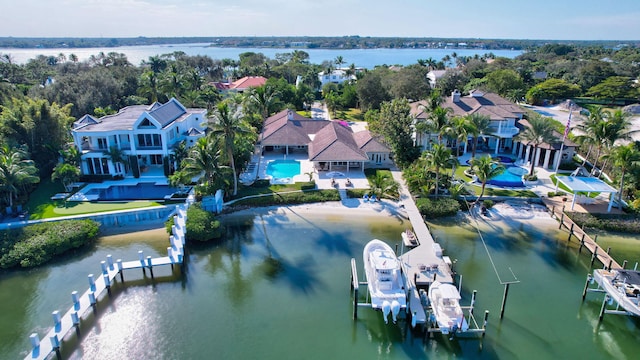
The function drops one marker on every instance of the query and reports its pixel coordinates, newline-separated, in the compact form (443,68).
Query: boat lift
(419,309)
(608,300)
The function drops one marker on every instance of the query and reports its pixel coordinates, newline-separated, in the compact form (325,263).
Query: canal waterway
(364,58)
(278,287)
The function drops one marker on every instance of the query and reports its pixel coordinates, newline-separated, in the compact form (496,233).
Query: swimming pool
(511,177)
(140,191)
(283,169)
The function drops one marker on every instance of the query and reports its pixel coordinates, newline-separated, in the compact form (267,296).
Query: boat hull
(385,281)
(626,294)
(444,300)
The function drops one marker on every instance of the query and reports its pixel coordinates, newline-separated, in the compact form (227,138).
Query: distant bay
(365,58)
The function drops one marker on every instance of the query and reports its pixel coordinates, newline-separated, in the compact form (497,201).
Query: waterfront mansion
(145,135)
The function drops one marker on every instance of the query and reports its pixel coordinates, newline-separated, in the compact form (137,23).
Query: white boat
(445,304)
(384,279)
(623,286)
(409,238)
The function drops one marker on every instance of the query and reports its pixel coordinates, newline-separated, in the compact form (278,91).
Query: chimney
(290,115)
(455,96)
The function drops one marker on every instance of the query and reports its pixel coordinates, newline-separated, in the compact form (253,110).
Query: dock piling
(35,340)
(119,262)
(75,299)
(604,304)
(586,286)
(55,344)
(624,264)
(504,299)
(141,257)
(594,255)
(107,283)
(570,232)
(103,266)
(473,301)
(484,323)
(56,318)
(92,282)
(150,266)
(582,242)
(110,261)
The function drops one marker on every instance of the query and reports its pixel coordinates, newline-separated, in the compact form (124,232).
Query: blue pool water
(279,169)
(141,191)
(511,177)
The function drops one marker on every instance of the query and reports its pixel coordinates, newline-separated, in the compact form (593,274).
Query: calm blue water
(508,178)
(365,58)
(141,191)
(283,168)
(277,287)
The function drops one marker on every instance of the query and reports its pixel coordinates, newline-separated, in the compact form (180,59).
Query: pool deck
(82,195)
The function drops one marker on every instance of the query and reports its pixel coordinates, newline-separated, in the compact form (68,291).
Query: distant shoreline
(299,42)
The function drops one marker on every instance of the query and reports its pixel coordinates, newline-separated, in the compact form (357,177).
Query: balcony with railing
(504,131)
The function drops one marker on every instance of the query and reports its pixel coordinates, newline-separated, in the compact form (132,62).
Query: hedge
(292,198)
(437,207)
(37,244)
(609,222)
(202,225)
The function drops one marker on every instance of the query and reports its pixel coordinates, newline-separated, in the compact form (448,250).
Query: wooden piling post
(595,238)
(570,232)
(594,255)
(473,301)
(561,220)
(581,242)
(107,283)
(586,287)
(604,304)
(504,299)
(141,257)
(484,323)
(55,344)
(624,264)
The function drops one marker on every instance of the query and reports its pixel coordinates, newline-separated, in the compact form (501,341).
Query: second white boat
(384,279)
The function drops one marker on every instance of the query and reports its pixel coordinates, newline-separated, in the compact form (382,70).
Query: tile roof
(126,117)
(489,104)
(368,143)
(248,82)
(335,142)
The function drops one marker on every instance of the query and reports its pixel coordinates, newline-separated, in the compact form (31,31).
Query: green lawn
(40,205)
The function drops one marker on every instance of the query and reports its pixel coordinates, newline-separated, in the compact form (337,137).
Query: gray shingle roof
(335,143)
(168,112)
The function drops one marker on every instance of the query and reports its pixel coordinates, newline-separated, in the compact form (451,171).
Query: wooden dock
(584,240)
(81,304)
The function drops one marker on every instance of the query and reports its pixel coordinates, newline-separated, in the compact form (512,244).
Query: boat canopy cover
(384,260)
(449,291)
(630,276)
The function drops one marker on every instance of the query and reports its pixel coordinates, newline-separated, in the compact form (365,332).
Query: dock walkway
(585,241)
(97,285)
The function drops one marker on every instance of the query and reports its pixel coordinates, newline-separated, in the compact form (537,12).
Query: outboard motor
(395,310)
(386,309)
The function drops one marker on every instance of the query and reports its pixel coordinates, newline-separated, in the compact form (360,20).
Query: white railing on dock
(62,324)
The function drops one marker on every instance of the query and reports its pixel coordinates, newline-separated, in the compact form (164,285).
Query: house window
(146,123)
(156,159)
(102,143)
(98,166)
(149,140)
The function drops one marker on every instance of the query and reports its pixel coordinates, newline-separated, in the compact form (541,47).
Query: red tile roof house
(330,145)
(241,84)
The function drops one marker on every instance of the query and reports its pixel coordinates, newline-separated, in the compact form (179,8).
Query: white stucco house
(337,76)
(146,134)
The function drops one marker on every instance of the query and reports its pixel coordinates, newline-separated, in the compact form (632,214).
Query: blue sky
(509,19)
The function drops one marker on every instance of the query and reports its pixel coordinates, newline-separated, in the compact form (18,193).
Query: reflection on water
(278,287)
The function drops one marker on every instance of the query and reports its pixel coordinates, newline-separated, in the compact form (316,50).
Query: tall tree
(479,125)
(485,168)
(538,131)
(205,159)
(395,124)
(436,158)
(16,171)
(226,125)
(624,158)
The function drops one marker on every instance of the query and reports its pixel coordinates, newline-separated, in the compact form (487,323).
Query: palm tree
(227,124)
(262,98)
(204,159)
(460,127)
(66,173)
(118,157)
(382,184)
(339,61)
(479,125)
(539,131)
(623,158)
(16,171)
(593,132)
(149,85)
(485,168)
(437,158)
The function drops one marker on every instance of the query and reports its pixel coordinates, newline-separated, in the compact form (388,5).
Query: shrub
(628,223)
(308,185)
(302,197)
(487,203)
(37,244)
(440,207)
(202,225)
(557,193)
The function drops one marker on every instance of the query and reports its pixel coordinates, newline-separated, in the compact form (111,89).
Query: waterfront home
(547,155)
(328,144)
(145,135)
(434,75)
(337,76)
(241,85)
(503,115)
